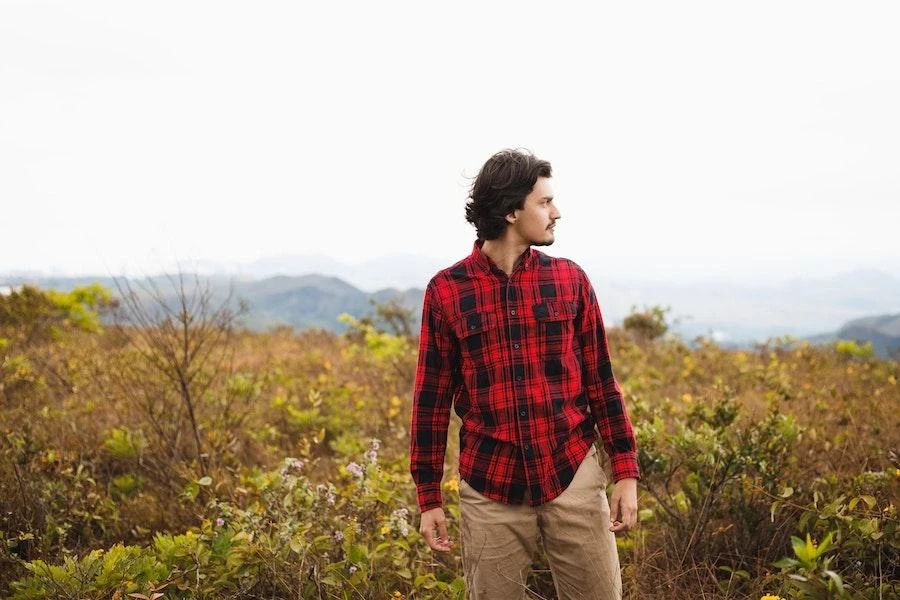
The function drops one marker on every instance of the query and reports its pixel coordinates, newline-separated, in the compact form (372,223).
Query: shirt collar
(484,263)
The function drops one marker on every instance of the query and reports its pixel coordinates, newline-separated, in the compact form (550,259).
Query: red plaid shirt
(524,360)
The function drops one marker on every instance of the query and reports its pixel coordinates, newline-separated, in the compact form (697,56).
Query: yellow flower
(397,596)
(687,398)
(771,597)
(452,485)
(395,401)
(385,530)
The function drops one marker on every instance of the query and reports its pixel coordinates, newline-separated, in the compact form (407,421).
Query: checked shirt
(524,361)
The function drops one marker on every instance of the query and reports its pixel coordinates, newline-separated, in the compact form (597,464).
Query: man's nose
(555,214)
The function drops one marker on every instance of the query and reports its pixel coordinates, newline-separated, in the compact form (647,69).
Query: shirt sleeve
(435,387)
(604,393)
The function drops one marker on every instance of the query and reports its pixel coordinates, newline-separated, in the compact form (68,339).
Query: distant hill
(732,314)
(305,302)
(883,331)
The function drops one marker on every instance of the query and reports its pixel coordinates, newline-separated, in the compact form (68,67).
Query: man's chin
(544,242)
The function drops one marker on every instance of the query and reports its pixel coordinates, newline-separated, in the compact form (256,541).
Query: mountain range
(854,304)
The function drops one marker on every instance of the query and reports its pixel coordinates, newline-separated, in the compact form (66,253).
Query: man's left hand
(623,505)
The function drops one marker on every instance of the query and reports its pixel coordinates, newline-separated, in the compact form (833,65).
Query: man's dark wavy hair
(500,188)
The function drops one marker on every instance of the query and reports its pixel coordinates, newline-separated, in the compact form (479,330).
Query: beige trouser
(499,541)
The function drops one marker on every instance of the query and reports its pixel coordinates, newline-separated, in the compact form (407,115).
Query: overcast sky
(686,138)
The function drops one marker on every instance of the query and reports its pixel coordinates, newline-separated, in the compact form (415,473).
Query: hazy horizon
(689,141)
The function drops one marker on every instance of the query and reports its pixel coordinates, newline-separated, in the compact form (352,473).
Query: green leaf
(824,546)
(358,554)
(800,547)
(838,582)
(786,563)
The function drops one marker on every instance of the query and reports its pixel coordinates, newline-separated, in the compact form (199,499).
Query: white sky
(686,138)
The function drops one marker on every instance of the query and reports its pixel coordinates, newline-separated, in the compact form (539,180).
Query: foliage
(105,496)
(852,349)
(647,324)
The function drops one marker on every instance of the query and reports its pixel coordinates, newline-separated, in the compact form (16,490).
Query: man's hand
(434,520)
(623,505)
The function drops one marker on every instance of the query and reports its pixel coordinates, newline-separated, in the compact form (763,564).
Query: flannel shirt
(524,361)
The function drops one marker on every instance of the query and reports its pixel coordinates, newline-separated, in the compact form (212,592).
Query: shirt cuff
(625,466)
(430,496)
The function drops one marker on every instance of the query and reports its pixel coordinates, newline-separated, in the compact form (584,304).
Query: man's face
(533,223)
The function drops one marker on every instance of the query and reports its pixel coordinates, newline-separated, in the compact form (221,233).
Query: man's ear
(511,218)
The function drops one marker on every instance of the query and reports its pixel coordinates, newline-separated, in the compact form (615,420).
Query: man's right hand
(434,530)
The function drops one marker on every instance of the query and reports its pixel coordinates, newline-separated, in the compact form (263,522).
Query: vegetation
(174,456)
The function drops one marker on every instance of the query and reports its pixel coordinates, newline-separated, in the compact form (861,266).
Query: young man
(514,340)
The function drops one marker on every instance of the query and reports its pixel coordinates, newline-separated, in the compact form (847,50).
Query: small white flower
(353,569)
(355,470)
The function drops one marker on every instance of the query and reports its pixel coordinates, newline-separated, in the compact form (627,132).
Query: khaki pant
(499,541)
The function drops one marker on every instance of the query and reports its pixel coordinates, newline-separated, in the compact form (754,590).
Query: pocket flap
(555,310)
(473,323)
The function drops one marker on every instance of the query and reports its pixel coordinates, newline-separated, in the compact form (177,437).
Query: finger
(438,542)
(614,509)
(428,534)
(631,516)
(443,539)
(618,526)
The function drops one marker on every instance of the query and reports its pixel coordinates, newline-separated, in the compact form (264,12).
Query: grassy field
(189,459)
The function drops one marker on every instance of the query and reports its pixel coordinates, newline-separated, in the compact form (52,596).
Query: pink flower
(356,470)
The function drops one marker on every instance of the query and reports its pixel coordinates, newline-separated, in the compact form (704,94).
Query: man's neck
(506,254)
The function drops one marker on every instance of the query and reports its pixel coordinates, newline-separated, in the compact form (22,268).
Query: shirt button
(513,312)
(516,346)
(518,378)
(471,327)
(522,413)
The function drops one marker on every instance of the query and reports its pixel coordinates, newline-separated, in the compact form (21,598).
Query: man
(514,340)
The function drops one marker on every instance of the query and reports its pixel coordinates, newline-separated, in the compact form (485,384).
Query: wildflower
(771,597)
(353,569)
(220,522)
(452,485)
(375,444)
(394,410)
(397,596)
(338,536)
(385,529)
(355,470)
(687,398)
(371,456)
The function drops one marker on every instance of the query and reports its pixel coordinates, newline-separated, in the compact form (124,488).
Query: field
(174,455)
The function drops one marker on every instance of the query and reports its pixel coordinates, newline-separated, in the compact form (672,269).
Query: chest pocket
(476,333)
(555,322)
